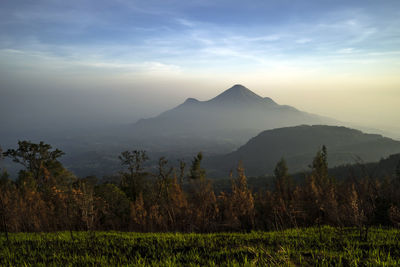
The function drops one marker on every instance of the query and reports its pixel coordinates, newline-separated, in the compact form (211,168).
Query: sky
(92,62)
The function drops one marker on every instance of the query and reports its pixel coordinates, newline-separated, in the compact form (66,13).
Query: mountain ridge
(231,117)
(299,144)
(237,94)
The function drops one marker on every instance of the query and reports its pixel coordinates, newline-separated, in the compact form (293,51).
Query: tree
(4,176)
(282,180)
(132,181)
(320,195)
(319,166)
(117,206)
(182,166)
(164,179)
(242,200)
(202,197)
(86,203)
(36,158)
(171,199)
(196,171)
(134,160)
(282,209)
(3,198)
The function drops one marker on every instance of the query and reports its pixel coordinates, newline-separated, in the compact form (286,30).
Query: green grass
(292,247)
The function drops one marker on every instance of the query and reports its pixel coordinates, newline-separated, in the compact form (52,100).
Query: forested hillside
(298,145)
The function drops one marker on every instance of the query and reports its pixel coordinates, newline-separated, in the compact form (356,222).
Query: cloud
(39,62)
(186,22)
(348,50)
(303,40)
(175,34)
(267,38)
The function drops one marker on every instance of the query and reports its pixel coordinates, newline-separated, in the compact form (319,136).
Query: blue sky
(197,35)
(289,50)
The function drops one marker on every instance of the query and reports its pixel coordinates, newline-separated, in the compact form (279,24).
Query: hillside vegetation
(47,197)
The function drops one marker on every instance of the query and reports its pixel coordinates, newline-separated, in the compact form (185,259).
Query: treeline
(47,197)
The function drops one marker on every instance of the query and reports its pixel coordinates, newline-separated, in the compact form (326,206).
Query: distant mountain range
(232,117)
(220,127)
(299,144)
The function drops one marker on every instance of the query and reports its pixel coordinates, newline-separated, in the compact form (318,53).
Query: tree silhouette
(36,158)
(132,181)
(282,180)
(319,166)
(196,171)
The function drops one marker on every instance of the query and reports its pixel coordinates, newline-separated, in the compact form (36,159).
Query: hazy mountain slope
(235,115)
(298,146)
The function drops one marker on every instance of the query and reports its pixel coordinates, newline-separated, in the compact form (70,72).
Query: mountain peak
(191,100)
(237,94)
(239,87)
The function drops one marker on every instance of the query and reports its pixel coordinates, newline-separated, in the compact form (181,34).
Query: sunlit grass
(340,247)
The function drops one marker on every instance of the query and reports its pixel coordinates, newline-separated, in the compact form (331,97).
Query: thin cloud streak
(203,41)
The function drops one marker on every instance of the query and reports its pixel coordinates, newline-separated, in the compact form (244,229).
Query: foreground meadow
(331,246)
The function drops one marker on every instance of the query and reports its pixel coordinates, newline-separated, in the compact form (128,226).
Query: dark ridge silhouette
(298,145)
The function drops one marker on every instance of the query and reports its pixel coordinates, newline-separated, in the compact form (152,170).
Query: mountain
(299,144)
(232,117)
(240,95)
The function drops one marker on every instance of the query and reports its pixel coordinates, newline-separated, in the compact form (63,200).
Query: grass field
(288,248)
